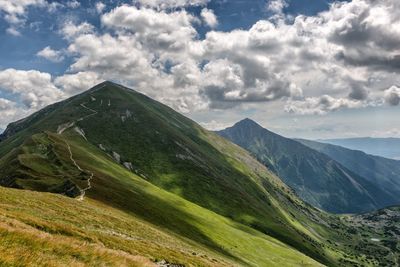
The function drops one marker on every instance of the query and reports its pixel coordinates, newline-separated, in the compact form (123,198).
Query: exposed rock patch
(80,132)
(128,165)
(164,263)
(116,156)
(61,128)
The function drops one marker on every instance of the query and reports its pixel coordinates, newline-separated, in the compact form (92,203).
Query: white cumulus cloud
(70,30)
(14,12)
(320,105)
(276,6)
(340,58)
(78,82)
(10,111)
(50,54)
(35,89)
(209,18)
(100,6)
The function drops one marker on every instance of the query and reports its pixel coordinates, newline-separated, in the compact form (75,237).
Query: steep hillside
(316,178)
(384,147)
(119,150)
(383,172)
(43,229)
(124,195)
(153,142)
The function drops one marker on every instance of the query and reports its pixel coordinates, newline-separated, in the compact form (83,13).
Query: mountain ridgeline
(112,155)
(382,172)
(317,178)
(384,147)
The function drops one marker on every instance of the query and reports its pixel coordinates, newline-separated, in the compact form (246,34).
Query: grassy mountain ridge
(174,153)
(129,153)
(116,188)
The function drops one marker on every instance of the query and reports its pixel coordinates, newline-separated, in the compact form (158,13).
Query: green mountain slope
(129,194)
(42,229)
(315,177)
(382,172)
(153,142)
(116,150)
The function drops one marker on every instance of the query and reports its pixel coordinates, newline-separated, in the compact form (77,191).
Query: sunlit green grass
(59,229)
(168,210)
(82,228)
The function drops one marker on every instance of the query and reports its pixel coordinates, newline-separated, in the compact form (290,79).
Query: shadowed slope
(382,172)
(315,177)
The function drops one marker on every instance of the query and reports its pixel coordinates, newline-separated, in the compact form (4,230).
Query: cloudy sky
(301,68)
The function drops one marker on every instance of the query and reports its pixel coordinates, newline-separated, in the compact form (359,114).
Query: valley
(344,182)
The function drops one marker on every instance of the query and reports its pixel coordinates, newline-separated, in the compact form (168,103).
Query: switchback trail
(89,185)
(63,128)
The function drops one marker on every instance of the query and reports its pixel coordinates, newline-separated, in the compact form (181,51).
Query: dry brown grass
(42,229)
(22,244)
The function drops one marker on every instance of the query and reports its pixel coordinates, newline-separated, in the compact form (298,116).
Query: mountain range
(384,147)
(382,172)
(345,182)
(113,177)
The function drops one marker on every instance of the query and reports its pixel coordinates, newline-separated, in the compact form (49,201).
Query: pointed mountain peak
(247,123)
(248,127)
(107,84)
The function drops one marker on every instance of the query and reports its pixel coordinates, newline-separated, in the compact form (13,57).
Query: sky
(301,68)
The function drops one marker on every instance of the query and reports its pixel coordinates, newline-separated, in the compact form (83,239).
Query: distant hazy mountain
(381,171)
(384,147)
(316,178)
